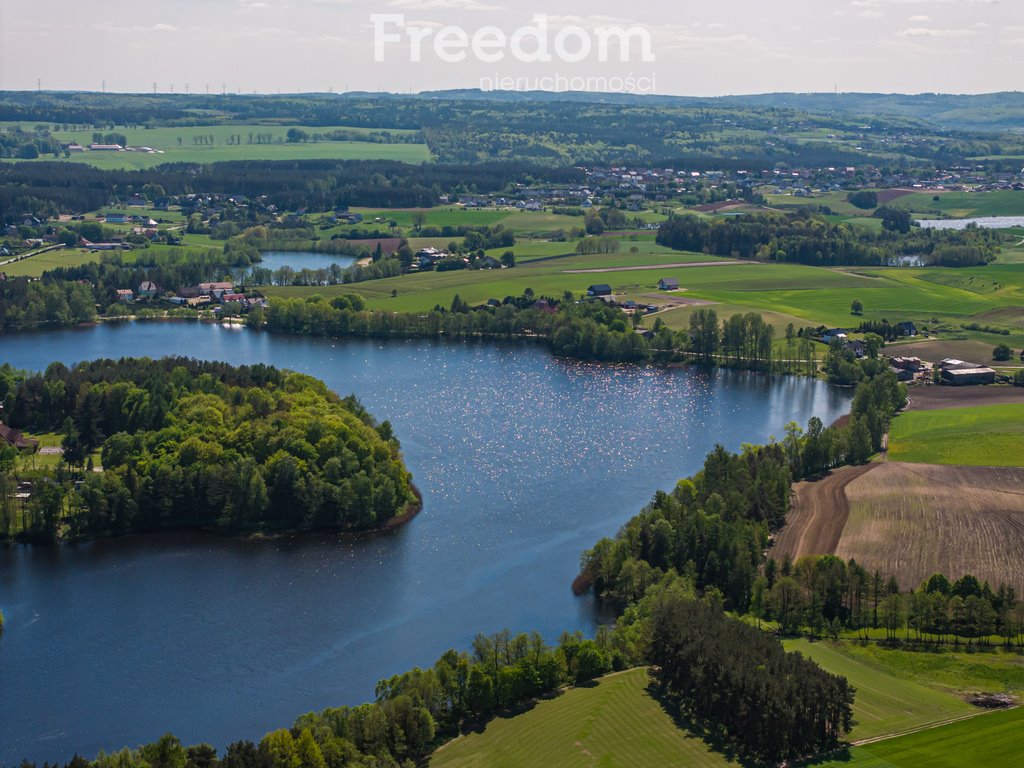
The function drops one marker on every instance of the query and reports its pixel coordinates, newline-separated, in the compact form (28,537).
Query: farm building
(599,290)
(962,377)
(668,284)
(903,374)
(952,364)
(907,363)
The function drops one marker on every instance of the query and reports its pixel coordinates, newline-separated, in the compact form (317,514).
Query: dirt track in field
(913,520)
(931,398)
(657,266)
(818,515)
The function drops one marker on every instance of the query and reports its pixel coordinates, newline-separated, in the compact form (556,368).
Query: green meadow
(615,722)
(991,435)
(992,740)
(169,150)
(618,723)
(885,702)
(962,205)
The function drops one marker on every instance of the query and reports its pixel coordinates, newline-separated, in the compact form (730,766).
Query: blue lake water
(524,461)
(299,260)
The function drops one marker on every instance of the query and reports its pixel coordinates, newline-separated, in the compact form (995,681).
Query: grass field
(615,723)
(994,740)
(806,296)
(165,140)
(962,205)
(884,703)
(990,435)
(34,266)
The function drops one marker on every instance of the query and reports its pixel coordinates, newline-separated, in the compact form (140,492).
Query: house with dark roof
(14,438)
(668,284)
(599,290)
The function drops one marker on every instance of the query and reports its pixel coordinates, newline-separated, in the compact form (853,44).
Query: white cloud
(920,18)
(108,26)
(930,32)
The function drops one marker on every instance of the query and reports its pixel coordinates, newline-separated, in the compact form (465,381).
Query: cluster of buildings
(959,373)
(217,295)
(953,372)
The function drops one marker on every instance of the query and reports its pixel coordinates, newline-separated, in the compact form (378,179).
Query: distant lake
(524,461)
(299,260)
(987,222)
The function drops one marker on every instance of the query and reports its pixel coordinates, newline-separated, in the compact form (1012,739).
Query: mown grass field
(165,140)
(615,723)
(34,266)
(992,740)
(980,436)
(884,703)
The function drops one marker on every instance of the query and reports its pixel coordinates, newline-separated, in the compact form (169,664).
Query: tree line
(588,330)
(824,595)
(49,188)
(803,238)
(187,444)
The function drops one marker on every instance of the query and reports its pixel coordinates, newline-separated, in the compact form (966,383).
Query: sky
(681,47)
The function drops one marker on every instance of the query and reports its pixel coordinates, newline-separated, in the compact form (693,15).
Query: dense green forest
(49,188)
(805,238)
(187,444)
(742,684)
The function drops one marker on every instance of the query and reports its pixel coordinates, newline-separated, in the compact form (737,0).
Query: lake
(987,222)
(523,460)
(299,260)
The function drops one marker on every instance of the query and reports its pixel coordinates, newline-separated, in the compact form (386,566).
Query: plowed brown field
(913,520)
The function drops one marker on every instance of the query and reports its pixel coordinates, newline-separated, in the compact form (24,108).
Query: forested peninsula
(152,445)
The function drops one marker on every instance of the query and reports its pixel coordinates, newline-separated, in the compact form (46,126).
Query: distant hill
(990,111)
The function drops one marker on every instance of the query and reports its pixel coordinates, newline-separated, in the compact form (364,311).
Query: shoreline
(391,525)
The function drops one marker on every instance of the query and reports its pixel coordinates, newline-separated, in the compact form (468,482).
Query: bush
(1002,353)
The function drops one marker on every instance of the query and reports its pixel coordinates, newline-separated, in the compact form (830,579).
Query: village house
(668,284)
(18,441)
(905,328)
(116,218)
(125,295)
(148,289)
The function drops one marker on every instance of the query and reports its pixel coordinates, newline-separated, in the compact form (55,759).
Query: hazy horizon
(726,48)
